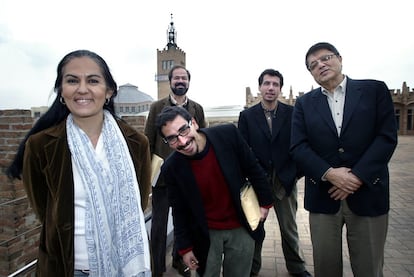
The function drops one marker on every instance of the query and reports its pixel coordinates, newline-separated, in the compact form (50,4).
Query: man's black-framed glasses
(322,59)
(182,132)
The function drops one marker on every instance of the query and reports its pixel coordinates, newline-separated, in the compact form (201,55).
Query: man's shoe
(181,267)
(301,274)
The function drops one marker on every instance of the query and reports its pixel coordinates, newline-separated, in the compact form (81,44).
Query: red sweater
(217,201)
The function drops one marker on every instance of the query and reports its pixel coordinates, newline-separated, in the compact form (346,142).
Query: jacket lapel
(321,106)
(260,119)
(277,121)
(188,186)
(59,168)
(352,97)
(59,162)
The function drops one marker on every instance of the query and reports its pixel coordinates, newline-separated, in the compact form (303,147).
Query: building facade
(404,109)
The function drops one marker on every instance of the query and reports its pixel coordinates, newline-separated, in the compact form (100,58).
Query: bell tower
(166,58)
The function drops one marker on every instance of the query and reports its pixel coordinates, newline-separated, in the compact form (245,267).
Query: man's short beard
(179,91)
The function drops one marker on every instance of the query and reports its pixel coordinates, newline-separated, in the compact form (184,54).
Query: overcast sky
(227,43)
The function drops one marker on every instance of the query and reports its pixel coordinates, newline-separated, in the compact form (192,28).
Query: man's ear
(195,124)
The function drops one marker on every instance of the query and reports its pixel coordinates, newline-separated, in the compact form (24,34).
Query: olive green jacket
(48,180)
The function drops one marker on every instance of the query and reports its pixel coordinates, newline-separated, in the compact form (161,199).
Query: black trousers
(158,240)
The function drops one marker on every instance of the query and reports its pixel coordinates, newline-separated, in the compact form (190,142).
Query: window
(397,118)
(410,119)
(168,64)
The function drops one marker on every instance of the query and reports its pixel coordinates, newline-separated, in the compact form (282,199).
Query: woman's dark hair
(58,111)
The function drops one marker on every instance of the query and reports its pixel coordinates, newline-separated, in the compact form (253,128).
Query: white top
(336,101)
(81,252)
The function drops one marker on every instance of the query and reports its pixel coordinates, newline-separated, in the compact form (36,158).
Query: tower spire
(171,35)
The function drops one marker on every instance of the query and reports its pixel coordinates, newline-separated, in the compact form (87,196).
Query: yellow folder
(156,163)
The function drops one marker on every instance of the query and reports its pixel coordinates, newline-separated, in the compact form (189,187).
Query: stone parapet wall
(19,228)
(138,122)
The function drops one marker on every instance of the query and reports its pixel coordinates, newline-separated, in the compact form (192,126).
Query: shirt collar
(341,88)
(175,103)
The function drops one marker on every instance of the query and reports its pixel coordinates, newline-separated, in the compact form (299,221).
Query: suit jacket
(157,145)
(237,162)
(48,180)
(271,149)
(366,143)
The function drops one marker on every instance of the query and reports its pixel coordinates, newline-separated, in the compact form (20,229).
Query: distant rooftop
(215,112)
(129,93)
(223,111)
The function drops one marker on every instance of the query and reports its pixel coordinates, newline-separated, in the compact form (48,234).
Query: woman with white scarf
(87,177)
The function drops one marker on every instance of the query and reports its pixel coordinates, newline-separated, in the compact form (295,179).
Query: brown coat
(48,180)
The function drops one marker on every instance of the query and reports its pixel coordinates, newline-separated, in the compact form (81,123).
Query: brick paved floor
(399,249)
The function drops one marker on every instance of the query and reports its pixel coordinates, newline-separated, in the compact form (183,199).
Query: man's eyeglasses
(322,59)
(182,132)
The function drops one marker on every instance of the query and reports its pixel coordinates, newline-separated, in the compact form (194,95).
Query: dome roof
(129,93)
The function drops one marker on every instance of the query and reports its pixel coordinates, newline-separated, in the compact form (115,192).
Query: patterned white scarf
(115,232)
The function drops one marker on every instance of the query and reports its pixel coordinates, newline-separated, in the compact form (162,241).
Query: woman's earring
(107,100)
(62,101)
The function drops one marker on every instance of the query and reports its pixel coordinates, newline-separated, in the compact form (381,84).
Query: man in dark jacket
(343,136)
(204,177)
(266,127)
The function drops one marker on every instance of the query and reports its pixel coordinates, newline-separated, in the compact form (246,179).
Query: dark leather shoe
(181,267)
(301,274)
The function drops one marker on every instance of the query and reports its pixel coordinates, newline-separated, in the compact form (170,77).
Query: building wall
(132,108)
(19,228)
(404,109)
(39,111)
(138,122)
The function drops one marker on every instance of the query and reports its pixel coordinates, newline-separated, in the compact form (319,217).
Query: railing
(24,269)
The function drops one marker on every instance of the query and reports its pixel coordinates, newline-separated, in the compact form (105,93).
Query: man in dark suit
(343,136)
(204,177)
(266,127)
(179,78)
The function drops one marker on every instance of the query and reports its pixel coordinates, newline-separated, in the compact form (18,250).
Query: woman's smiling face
(84,88)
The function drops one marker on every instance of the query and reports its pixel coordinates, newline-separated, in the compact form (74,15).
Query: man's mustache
(180,84)
(181,147)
